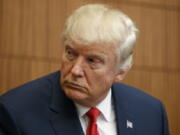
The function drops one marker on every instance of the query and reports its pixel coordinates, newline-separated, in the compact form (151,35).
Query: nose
(77,68)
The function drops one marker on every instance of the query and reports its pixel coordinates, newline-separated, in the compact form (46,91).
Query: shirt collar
(105,106)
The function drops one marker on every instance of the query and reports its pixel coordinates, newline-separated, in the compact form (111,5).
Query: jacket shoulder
(145,110)
(31,94)
(136,97)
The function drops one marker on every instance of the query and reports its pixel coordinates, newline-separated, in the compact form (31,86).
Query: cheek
(103,80)
(65,67)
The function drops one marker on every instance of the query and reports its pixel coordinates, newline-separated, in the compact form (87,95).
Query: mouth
(74,86)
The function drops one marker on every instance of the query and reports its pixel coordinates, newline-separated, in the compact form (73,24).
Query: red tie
(93,113)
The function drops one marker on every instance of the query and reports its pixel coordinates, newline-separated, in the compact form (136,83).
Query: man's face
(87,72)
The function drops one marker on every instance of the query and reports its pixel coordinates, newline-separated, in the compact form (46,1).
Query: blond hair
(103,25)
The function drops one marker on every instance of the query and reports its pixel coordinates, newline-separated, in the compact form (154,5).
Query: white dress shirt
(106,121)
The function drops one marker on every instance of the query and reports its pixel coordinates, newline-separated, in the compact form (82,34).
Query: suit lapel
(124,118)
(64,118)
(66,124)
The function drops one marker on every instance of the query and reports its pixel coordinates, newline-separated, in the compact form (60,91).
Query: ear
(120,75)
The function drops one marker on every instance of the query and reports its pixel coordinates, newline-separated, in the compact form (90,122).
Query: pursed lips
(74,86)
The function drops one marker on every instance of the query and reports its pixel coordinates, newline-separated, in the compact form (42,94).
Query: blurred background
(30,45)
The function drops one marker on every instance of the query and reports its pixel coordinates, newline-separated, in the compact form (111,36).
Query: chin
(75,95)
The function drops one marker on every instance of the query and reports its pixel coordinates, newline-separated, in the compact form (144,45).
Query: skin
(88,71)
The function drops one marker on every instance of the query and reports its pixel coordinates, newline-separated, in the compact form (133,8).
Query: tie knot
(93,113)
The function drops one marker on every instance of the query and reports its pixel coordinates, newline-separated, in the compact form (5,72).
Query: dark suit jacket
(41,108)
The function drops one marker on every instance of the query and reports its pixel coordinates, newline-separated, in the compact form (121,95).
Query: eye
(95,62)
(70,54)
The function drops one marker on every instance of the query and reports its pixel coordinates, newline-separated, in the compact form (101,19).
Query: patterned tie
(93,113)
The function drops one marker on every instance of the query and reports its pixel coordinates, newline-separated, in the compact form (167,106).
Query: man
(85,97)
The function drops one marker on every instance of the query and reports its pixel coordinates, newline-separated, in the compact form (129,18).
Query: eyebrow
(97,55)
(92,54)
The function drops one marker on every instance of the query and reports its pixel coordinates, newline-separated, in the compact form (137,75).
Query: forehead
(91,48)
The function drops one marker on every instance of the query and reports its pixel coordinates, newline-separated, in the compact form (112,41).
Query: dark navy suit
(41,108)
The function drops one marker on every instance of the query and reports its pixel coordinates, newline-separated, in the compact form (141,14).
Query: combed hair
(103,25)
